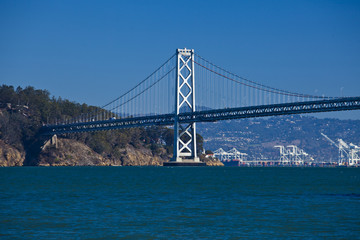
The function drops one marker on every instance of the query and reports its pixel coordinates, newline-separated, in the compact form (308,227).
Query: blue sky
(93,51)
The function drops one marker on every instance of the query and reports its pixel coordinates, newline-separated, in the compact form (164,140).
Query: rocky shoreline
(69,152)
(10,156)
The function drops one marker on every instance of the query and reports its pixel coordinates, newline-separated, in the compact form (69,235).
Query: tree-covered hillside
(24,111)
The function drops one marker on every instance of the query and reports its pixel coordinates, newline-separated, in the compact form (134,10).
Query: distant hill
(257,137)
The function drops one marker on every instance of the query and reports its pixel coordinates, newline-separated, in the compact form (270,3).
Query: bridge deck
(338,104)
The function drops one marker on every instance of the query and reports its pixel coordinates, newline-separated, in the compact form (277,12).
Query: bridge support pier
(184,134)
(184,164)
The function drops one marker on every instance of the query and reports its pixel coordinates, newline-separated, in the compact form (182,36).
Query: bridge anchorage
(184,133)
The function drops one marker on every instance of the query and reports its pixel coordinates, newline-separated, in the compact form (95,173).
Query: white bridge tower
(185,134)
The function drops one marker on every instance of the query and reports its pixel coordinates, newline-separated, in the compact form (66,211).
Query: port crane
(233,154)
(349,154)
(291,154)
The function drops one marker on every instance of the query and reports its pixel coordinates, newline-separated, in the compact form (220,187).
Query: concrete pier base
(185,163)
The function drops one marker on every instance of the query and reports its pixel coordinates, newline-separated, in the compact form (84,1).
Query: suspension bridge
(168,97)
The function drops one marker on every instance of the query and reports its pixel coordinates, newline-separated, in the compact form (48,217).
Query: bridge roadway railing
(337,104)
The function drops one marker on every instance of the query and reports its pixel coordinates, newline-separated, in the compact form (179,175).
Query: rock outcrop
(139,157)
(211,161)
(69,152)
(10,156)
(214,163)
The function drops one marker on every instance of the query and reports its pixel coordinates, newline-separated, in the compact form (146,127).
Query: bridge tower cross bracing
(185,134)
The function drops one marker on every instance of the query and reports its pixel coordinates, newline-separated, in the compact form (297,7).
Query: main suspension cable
(150,86)
(139,82)
(263,87)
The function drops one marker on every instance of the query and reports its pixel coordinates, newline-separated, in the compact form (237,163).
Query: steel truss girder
(338,104)
(167,119)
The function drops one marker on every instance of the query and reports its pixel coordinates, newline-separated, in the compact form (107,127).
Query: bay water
(179,203)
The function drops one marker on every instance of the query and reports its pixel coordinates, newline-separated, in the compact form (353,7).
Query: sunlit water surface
(179,203)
